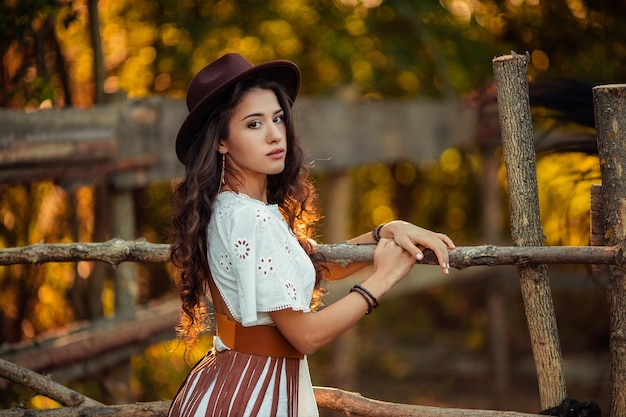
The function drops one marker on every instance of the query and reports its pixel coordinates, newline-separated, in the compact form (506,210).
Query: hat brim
(283,72)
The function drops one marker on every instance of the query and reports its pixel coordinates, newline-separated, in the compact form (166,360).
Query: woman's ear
(222,148)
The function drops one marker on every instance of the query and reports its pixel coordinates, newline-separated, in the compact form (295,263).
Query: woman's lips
(276,154)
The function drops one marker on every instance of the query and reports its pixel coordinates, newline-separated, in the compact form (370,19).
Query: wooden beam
(22,153)
(610,115)
(99,337)
(350,135)
(521,171)
(116,251)
(108,140)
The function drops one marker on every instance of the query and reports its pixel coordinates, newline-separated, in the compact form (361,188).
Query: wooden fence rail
(116,251)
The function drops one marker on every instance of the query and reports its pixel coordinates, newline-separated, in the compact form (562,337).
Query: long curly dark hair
(292,190)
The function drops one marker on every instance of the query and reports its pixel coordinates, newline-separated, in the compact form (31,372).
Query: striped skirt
(228,383)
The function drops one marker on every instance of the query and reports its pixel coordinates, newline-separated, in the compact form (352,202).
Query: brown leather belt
(254,340)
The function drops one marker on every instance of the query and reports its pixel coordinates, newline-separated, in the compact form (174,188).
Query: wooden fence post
(123,224)
(124,227)
(488,139)
(337,229)
(610,113)
(520,162)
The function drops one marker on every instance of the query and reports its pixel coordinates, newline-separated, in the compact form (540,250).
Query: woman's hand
(308,331)
(392,262)
(411,238)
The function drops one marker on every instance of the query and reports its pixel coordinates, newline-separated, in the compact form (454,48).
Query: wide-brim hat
(213,83)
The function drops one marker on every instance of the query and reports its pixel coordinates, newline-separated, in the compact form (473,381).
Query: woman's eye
(255,125)
(279,119)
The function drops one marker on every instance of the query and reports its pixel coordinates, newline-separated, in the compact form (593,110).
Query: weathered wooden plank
(336,134)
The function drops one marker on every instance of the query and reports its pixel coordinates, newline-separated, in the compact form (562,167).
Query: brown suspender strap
(254,340)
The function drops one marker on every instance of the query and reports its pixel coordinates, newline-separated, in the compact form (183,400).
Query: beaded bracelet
(376,232)
(369,298)
(369,294)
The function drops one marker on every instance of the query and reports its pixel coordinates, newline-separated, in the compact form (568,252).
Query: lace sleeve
(271,269)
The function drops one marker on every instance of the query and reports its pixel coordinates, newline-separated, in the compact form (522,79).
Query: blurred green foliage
(384,48)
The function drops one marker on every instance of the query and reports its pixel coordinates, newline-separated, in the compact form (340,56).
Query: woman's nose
(275,133)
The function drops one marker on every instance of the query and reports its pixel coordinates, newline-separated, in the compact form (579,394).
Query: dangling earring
(222,182)
(223,169)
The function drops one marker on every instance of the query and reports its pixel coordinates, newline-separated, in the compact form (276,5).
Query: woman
(241,234)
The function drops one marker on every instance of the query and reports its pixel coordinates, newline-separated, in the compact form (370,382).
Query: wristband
(376,232)
(369,298)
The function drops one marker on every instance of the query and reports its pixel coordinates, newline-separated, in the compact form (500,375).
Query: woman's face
(256,145)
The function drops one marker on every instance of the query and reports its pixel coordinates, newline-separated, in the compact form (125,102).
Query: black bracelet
(369,294)
(371,301)
(376,232)
(367,300)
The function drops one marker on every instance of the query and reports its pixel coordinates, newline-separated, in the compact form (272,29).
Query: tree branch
(116,251)
(151,409)
(42,385)
(353,404)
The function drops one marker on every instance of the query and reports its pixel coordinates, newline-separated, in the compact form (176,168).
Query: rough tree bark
(353,404)
(116,251)
(610,113)
(526,230)
(43,385)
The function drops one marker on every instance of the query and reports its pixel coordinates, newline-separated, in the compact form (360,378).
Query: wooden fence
(527,254)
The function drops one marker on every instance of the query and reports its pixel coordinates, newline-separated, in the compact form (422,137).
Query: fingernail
(447,271)
(419,256)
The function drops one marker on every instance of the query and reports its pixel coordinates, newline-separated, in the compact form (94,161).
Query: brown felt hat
(214,82)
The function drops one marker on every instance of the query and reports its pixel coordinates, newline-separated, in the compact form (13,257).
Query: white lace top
(256,261)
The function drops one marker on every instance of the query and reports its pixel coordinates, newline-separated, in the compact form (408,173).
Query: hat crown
(214,75)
